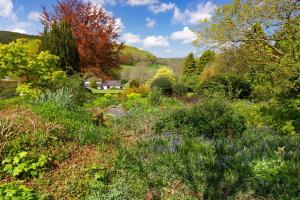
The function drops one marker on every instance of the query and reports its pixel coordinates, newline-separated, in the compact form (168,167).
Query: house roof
(112,83)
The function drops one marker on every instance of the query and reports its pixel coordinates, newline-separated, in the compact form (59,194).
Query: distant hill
(138,54)
(7,36)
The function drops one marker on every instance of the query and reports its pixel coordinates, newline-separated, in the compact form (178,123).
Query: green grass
(138,72)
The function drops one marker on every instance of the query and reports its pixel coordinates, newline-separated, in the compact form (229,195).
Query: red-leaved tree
(94,31)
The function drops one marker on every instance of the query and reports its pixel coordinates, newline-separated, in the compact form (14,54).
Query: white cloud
(186,35)
(150,23)
(150,41)
(102,2)
(7,9)
(130,38)
(140,2)
(156,41)
(34,16)
(120,24)
(19,30)
(203,11)
(168,51)
(163,7)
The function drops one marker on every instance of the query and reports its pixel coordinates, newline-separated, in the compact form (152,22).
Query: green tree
(38,70)
(233,23)
(58,40)
(190,67)
(206,59)
(190,72)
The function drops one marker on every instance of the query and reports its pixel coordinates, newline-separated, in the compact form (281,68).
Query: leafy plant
(155,96)
(212,118)
(180,89)
(24,166)
(12,191)
(163,84)
(134,84)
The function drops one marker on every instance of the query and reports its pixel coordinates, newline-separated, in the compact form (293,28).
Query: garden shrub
(165,72)
(27,91)
(134,100)
(13,191)
(134,84)
(211,118)
(93,83)
(180,89)
(142,90)
(61,98)
(232,85)
(155,96)
(24,166)
(163,84)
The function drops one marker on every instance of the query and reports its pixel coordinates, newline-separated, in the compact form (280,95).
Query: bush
(155,96)
(13,191)
(23,166)
(180,89)
(61,98)
(93,83)
(143,91)
(163,84)
(134,84)
(134,100)
(211,118)
(232,85)
(165,72)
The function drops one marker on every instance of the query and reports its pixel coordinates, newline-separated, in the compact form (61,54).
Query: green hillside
(7,36)
(137,53)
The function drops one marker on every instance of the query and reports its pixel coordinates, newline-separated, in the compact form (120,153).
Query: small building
(113,84)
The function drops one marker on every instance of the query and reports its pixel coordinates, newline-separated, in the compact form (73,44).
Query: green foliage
(134,84)
(211,118)
(58,40)
(134,100)
(152,59)
(24,166)
(61,98)
(206,59)
(136,55)
(165,72)
(93,83)
(38,70)
(190,72)
(155,96)
(27,91)
(231,84)
(12,191)
(163,84)
(180,89)
(77,123)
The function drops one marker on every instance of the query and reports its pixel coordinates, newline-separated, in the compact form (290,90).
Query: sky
(163,27)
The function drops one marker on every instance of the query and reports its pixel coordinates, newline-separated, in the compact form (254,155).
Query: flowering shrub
(142,90)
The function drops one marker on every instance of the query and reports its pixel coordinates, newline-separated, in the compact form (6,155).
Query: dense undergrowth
(215,149)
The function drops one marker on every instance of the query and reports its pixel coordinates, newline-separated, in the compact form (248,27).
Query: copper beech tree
(94,31)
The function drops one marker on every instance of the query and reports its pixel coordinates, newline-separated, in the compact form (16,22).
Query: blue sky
(163,27)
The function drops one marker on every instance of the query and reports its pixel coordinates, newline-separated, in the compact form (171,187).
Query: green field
(143,72)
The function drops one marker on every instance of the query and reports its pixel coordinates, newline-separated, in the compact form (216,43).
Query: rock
(116,112)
